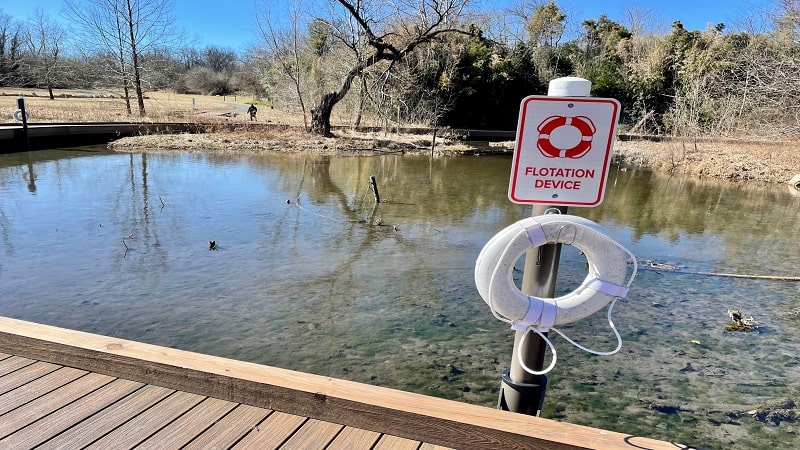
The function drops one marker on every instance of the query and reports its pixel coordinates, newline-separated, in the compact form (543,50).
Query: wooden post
(25,139)
(373,186)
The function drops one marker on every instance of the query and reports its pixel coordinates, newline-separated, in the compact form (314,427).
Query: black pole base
(523,398)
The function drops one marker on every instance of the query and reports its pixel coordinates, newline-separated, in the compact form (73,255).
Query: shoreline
(760,162)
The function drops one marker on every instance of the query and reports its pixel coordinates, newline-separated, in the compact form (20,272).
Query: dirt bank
(766,162)
(290,141)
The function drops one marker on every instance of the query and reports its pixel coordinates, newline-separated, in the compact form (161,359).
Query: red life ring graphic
(581,124)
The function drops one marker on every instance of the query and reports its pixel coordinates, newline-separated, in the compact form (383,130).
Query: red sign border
(520,133)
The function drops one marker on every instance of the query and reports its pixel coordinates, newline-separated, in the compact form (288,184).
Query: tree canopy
(431,62)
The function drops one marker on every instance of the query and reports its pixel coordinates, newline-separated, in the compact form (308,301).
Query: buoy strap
(606,287)
(535,231)
(541,314)
(538,237)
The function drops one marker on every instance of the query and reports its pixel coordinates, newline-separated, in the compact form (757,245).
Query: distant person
(252,110)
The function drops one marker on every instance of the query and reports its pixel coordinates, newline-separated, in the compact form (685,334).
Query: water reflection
(312,274)
(757,226)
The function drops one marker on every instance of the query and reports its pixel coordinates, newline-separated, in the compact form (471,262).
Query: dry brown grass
(108,106)
(769,162)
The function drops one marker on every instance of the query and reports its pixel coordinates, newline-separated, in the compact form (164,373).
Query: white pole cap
(569,87)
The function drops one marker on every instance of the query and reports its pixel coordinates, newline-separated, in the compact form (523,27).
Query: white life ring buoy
(794,185)
(18,115)
(606,280)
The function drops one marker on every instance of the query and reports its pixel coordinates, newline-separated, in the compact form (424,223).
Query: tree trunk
(137,78)
(122,67)
(138,85)
(361,102)
(321,115)
(127,95)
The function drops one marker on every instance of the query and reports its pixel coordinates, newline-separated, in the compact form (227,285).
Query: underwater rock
(776,411)
(662,406)
(739,322)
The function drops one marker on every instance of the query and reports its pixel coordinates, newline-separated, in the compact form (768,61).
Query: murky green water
(118,244)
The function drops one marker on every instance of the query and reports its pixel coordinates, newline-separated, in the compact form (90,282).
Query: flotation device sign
(563,150)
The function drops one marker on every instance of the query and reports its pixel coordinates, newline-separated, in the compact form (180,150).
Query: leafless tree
(44,39)
(285,49)
(10,51)
(127,28)
(383,32)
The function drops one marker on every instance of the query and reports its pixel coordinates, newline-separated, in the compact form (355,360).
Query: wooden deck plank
(313,434)
(96,426)
(354,439)
(427,446)
(388,411)
(62,419)
(25,375)
(148,422)
(12,363)
(230,428)
(38,387)
(271,432)
(388,442)
(188,426)
(50,402)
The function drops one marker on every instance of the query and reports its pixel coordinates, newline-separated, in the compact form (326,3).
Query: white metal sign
(563,150)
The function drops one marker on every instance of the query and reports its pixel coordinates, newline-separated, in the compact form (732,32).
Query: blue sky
(231,23)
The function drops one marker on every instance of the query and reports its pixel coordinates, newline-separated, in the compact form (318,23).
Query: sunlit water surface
(304,278)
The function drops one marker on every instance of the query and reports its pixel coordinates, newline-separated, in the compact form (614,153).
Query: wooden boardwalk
(45,405)
(62,389)
(59,135)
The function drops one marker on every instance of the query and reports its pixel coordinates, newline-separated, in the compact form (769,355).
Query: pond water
(303,278)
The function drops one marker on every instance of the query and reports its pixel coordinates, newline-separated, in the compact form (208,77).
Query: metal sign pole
(521,391)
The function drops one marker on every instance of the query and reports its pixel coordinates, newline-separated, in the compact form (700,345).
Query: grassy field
(108,106)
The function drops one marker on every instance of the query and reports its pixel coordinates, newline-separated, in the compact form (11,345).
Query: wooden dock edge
(414,416)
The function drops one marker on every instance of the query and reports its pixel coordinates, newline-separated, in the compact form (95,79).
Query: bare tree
(642,21)
(385,32)
(44,40)
(220,59)
(285,48)
(517,17)
(126,28)
(10,51)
